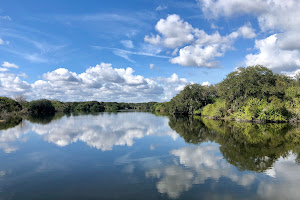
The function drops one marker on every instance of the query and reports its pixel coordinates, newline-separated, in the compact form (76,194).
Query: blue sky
(136,51)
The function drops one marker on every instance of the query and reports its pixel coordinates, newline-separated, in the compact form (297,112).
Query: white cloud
(175,32)
(206,83)
(247,31)
(196,55)
(23,75)
(101,83)
(175,79)
(10,65)
(281,18)
(217,8)
(153,39)
(127,44)
(292,74)
(11,85)
(1,41)
(202,49)
(3,69)
(173,85)
(161,7)
(151,66)
(272,56)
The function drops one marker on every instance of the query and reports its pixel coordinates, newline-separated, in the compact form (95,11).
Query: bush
(276,111)
(9,105)
(252,110)
(217,110)
(41,107)
(259,109)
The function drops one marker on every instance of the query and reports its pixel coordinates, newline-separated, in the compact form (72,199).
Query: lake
(139,155)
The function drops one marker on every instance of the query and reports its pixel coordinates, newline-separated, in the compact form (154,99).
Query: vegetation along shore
(253,94)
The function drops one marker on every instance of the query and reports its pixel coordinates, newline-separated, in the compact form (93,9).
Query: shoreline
(251,121)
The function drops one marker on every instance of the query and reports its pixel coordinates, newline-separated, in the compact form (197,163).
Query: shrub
(9,105)
(218,109)
(253,108)
(41,107)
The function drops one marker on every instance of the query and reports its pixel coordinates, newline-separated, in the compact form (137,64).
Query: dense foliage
(9,105)
(254,93)
(192,98)
(41,107)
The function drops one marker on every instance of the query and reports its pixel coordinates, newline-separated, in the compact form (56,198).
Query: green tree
(254,81)
(191,98)
(41,107)
(9,105)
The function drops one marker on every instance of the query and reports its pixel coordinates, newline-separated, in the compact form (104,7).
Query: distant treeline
(44,106)
(253,93)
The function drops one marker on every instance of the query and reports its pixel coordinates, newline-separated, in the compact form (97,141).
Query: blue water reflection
(132,155)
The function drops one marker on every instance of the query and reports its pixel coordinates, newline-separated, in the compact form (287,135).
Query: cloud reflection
(101,131)
(197,164)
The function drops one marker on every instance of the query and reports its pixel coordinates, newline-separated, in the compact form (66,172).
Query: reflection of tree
(10,123)
(248,146)
(191,129)
(44,119)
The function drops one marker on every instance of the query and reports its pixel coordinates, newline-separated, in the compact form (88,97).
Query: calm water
(134,155)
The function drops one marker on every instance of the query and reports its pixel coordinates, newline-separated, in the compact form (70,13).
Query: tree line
(254,93)
(48,107)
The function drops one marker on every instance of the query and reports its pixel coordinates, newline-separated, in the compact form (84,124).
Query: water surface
(135,155)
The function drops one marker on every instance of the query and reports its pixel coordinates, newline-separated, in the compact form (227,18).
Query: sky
(139,50)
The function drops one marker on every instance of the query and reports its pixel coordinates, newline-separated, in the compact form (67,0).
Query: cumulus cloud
(214,9)
(11,85)
(172,85)
(175,32)
(10,65)
(101,82)
(272,56)
(201,49)
(292,74)
(206,83)
(277,51)
(247,31)
(153,39)
(3,69)
(196,55)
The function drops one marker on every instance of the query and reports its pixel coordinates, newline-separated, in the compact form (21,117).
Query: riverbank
(251,94)
(292,121)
